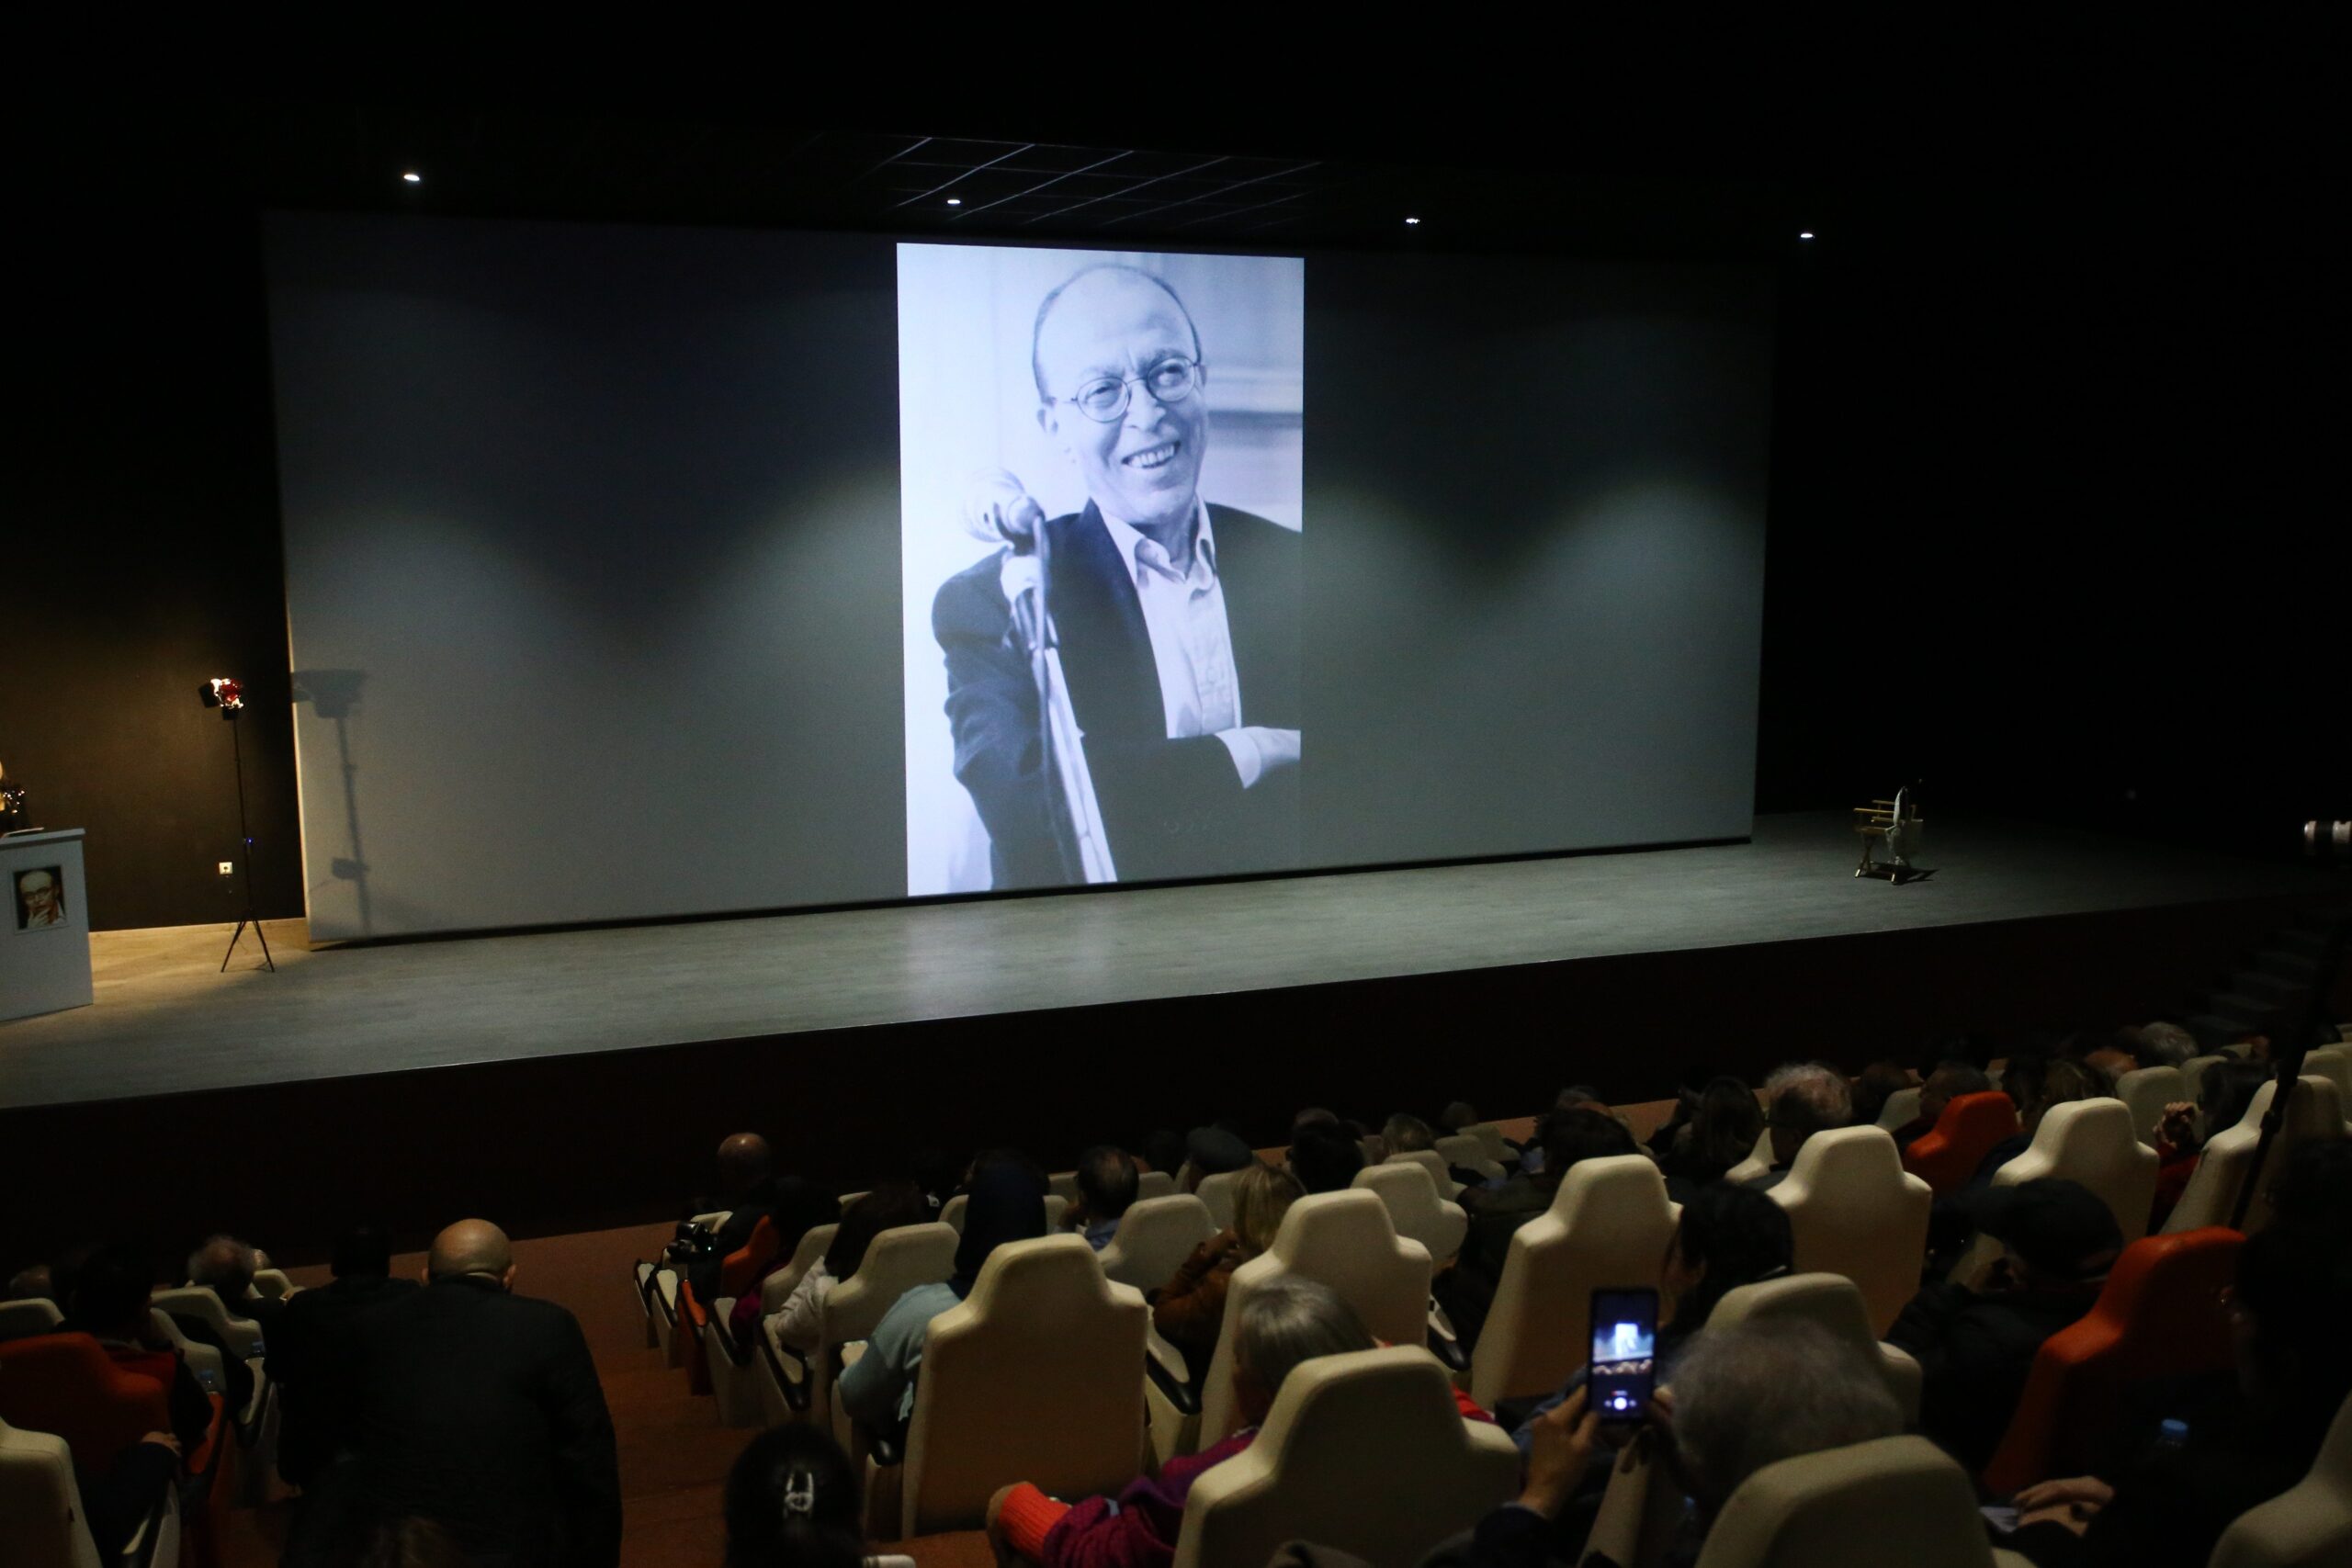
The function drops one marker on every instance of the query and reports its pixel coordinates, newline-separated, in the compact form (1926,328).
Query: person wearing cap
(1975,1341)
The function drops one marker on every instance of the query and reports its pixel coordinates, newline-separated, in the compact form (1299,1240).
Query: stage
(432,1068)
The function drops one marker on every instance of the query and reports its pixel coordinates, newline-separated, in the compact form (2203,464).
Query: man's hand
(2179,1123)
(2071,1502)
(996,508)
(1561,1446)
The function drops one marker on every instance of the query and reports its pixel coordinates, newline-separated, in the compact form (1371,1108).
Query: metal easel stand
(244,872)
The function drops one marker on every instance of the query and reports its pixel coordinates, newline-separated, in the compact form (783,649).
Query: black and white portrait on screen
(1121,433)
(40,898)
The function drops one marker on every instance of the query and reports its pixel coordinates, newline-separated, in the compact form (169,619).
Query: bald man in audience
(480,1410)
(747,1190)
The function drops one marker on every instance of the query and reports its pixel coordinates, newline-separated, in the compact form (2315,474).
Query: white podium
(44,924)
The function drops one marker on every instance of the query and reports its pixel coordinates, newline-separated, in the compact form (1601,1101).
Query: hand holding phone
(1623,1370)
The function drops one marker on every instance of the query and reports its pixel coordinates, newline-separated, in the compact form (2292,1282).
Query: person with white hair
(227,1266)
(1801,1098)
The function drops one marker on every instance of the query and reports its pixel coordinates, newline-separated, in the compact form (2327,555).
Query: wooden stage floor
(165,1022)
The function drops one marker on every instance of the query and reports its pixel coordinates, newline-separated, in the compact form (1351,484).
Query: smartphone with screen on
(1624,1356)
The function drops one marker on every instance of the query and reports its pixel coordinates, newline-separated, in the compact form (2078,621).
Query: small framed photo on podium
(40,898)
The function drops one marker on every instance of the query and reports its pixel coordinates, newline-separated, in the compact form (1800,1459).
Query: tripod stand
(246,839)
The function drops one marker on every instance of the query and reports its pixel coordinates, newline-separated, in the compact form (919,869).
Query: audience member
(1946,1083)
(1402,1135)
(33,1282)
(802,1315)
(2249,1436)
(1722,1133)
(1804,1097)
(1313,1116)
(110,1304)
(1282,1326)
(797,1208)
(2223,1095)
(793,1501)
(2063,1082)
(1975,1340)
(1007,1203)
(747,1190)
(478,1409)
(1468,1290)
(1324,1157)
(1880,1082)
(1212,1151)
(1163,1150)
(311,1339)
(2163,1044)
(226,1265)
(1190,1309)
(1457,1115)
(1107,1181)
(2021,1077)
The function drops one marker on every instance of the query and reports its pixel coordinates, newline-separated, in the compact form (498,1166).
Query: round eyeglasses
(1171,380)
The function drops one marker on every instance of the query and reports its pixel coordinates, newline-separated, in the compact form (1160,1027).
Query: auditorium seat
(1902,1108)
(1031,1378)
(1609,1225)
(735,1362)
(1346,1241)
(1758,1163)
(1835,1302)
(1498,1148)
(895,1262)
(2092,1142)
(1156,1184)
(67,1384)
(1434,1163)
(1887,1501)
(1154,1237)
(1856,1212)
(1948,1154)
(2333,1062)
(2309,1524)
(2313,1113)
(42,1524)
(241,1334)
(2192,1073)
(22,1320)
(2145,1092)
(1063,1184)
(1364,1453)
(1216,1191)
(275,1284)
(1415,1209)
(2160,1314)
(737,1272)
(1470,1154)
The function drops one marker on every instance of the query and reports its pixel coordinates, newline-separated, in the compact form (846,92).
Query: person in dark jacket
(1976,1341)
(478,1410)
(1468,1290)
(312,1338)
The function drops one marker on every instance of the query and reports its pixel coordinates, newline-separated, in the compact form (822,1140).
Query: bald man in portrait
(476,1408)
(1177,618)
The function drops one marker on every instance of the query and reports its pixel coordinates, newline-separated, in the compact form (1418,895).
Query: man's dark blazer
(480,1411)
(308,1342)
(1172,808)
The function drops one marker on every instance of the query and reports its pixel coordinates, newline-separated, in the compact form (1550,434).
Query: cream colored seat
(1490,1133)
(2333,1062)
(1856,1212)
(1063,1184)
(2192,1073)
(1434,1163)
(1415,1209)
(275,1284)
(1835,1302)
(1902,1109)
(1888,1501)
(2145,1092)
(737,1368)
(1031,1378)
(1344,1240)
(1609,1225)
(1470,1154)
(1758,1163)
(895,1262)
(23,1320)
(2093,1142)
(1156,1184)
(1154,1237)
(42,1524)
(1216,1191)
(2307,1526)
(768,1366)
(952,1215)
(241,1334)
(2313,1113)
(1364,1453)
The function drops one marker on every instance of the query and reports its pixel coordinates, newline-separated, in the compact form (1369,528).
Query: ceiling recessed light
(1412,220)
(1808,234)
(413,177)
(955,201)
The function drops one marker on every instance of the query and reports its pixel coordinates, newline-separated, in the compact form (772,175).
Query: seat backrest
(1156,1184)
(2307,1526)
(1948,1154)
(896,1261)
(2145,1091)
(1363,1453)
(1216,1191)
(2092,1142)
(1608,1226)
(1834,1302)
(1758,1163)
(2192,1073)
(739,1269)
(22,1320)
(1890,1500)
(1434,1163)
(777,1287)
(1902,1108)
(1856,1212)
(1037,1376)
(2160,1314)
(241,1334)
(67,1384)
(1470,1154)
(1063,1184)
(1415,1209)
(1154,1237)
(204,1361)
(2313,1111)
(40,1511)
(1491,1134)
(275,1284)
(2333,1062)
(1344,1240)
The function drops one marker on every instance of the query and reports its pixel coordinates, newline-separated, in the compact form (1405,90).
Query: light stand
(228,697)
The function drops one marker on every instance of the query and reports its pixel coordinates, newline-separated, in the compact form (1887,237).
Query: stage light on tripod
(222,691)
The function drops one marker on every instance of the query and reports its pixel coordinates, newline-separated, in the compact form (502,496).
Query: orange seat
(67,1384)
(2160,1315)
(741,1269)
(738,1272)
(1948,1154)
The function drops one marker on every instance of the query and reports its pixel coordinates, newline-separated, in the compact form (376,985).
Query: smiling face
(1145,466)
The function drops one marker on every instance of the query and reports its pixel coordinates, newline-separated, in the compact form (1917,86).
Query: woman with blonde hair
(1191,1307)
